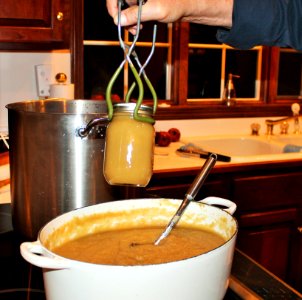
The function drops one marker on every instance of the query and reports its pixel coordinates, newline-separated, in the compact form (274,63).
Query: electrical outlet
(43,74)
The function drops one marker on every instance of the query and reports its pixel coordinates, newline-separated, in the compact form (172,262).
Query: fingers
(152,10)
(129,16)
(112,7)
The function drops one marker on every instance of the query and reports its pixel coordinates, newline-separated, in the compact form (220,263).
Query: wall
(207,127)
(17,76)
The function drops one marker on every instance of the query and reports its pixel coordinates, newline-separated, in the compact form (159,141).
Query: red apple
(162,138)
(175,134)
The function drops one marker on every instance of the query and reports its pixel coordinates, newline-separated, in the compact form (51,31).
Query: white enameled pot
(201,277)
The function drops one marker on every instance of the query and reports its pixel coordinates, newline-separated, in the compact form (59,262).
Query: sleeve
(264,22)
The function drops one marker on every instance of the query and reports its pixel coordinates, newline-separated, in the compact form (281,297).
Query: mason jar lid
(129,107)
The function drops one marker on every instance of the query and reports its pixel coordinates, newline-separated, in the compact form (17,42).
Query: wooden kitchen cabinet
(269,238)
(35,24)
(269,209)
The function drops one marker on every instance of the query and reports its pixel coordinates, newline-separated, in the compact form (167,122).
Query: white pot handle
(34,253)
(230,206)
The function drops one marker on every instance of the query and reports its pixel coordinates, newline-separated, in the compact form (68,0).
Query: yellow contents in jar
(129,150)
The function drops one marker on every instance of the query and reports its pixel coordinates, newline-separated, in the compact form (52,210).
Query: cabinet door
(268,237)
(178,191)
(262,192)
(25,22)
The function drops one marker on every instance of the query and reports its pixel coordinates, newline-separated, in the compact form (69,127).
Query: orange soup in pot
(135,246)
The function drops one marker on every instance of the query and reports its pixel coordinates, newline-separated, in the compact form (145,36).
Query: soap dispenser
(229,93)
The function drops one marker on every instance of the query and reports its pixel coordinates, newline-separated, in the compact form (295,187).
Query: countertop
(167,159)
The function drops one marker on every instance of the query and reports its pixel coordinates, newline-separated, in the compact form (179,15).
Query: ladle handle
(196,185)
(201,177)
(190,195)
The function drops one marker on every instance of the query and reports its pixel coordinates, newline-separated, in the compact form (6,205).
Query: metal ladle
(190,195)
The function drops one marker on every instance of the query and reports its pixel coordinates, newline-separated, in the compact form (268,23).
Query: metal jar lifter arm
(128,51)
(142,71)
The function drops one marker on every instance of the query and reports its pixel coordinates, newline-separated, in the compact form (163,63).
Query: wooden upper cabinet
(35,24)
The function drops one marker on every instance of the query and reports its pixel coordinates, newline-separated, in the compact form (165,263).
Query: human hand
(152,10)
(208,12)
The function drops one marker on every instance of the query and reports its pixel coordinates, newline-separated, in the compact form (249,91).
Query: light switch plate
(43,79)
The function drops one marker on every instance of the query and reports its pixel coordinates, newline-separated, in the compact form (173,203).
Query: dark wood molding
(180,62)
(77,51)
(220,111)
(273,74)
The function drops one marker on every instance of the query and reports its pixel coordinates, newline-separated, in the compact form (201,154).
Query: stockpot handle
(34,253)
(83,132)
(230,206)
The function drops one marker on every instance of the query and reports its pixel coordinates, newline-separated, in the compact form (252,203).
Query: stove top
(23,281)
(19,280)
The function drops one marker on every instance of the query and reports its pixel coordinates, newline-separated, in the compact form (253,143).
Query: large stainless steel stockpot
(53,169)
(204,276)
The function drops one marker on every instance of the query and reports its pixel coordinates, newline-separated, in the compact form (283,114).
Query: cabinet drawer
(268,237)
(268,191)
(177,191)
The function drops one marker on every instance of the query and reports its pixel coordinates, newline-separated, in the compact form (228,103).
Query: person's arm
(264,22)
(208,12)
(243,23)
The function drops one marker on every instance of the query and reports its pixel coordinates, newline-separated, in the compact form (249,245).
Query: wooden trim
(273,74)
(264,74)
(77,49)
(192,111)
(180,62)
(268,217)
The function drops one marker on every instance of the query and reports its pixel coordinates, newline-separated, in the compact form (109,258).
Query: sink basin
(288,139)
(249,148)
(237,146)
(243,149)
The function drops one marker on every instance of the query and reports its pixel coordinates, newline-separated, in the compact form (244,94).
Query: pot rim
(79,264)
(22,106)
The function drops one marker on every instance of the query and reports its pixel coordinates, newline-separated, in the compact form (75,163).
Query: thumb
(128,16)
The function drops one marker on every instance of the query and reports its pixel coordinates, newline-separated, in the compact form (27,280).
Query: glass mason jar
(129,147)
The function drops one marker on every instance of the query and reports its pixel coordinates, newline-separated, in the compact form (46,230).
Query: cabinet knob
(300,229)
(60,16)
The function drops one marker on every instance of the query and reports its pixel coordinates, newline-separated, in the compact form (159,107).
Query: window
(189,68)
(103,55)
(210,63)
(290,74)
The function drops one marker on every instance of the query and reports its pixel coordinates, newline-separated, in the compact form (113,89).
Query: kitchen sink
(243,149)
(237,146)
(288,139)
(248,148)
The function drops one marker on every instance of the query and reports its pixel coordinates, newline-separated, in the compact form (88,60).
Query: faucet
(271,123)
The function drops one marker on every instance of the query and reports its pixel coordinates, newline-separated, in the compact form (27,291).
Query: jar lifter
(129,50)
